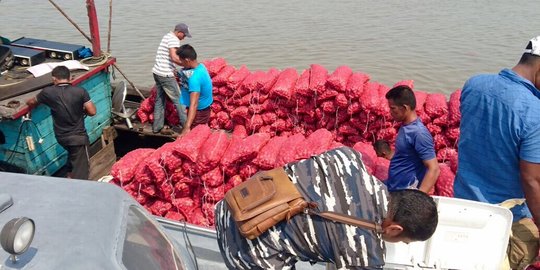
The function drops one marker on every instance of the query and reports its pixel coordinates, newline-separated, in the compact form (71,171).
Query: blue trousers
(167,86)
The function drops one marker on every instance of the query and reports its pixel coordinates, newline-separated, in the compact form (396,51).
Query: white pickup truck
(95,225)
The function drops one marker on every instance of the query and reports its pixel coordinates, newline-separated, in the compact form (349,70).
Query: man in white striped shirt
(164,75)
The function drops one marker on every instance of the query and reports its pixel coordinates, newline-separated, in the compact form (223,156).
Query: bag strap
(354,221)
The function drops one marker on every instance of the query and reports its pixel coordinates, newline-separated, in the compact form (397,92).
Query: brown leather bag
(270,197)
(262,201)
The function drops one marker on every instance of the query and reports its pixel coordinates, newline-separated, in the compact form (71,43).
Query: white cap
(533,47)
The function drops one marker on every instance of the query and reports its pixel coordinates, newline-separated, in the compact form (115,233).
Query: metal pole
(110,27)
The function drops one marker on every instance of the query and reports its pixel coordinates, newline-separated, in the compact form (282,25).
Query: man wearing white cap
(164,75)
(499,147)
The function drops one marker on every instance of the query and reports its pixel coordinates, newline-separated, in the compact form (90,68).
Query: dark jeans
(167,86)
(202,117)
(78,163)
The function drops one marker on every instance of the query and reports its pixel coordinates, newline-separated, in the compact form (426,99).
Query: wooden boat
(30,143)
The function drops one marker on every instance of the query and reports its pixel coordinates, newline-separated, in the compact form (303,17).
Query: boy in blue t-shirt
(196,88)
(414,164)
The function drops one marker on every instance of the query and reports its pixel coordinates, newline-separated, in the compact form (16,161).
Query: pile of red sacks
(256,115)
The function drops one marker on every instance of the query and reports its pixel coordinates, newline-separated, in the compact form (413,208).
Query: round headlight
(17,235)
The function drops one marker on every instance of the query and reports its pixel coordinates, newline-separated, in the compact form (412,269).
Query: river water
(438,44)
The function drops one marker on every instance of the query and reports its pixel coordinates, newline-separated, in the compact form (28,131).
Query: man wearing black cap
(499,147)
(164,75)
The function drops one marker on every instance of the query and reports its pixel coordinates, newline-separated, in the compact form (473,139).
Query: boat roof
(81,220)
(18,85)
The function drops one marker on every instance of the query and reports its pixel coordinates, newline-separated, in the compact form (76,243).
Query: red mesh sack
(174,215)
(284,86)
(369,157)
(143,175)
(347,129)
(268,155)
(420,100)
(236,78)
(171,114)
(381,168)
(269,80)
(269,118)
(159,207)
(342,101)
(253,82)
(369,99)
(211,152)
(254,123)
(317,79)
(222,77)
(453,160)
(234,181)
(452,134)
(436,105)
(251,146)
(239,132)
(214,65)
(354,108)
(240,112)
(208,210)
(433,129)
(147,106)
(409,83)
(188,146)
(445,183)
(248,169)
(288,154)
(329,107)
(441,121)
(316,143)
(245,149)
(185,205)
(383,109)
(182,189)
(143,117)
(454,115)
(302,84)
(327,95)
(355,85)
(339,78)
(388,134)
(169,159)
(213,178)
(124,169)
(441,142)
(213,194)
(445,154)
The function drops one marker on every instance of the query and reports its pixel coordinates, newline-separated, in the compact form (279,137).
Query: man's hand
(184,132)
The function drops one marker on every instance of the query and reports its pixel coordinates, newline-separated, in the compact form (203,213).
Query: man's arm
(431,176)
(174,56)
(193,103)
(530,181)
(32,102)
(90,108)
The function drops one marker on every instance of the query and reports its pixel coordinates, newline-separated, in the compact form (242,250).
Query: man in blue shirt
(196,88)
(499,145)
(414,164)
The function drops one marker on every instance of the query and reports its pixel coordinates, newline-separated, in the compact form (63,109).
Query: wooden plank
(102,161)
